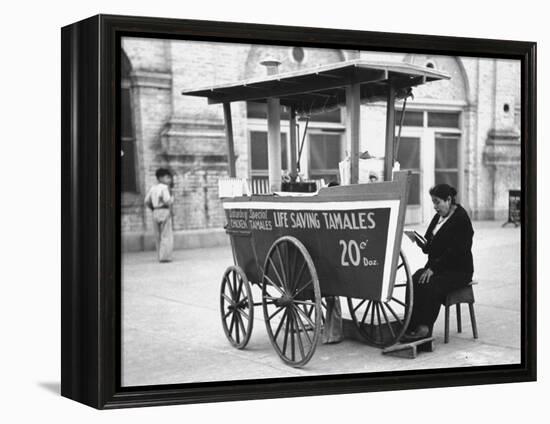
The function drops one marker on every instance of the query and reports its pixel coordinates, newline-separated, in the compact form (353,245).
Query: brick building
(464,131)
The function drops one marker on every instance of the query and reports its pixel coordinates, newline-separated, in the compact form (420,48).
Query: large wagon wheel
(291,301)
(382,324)
(236,307)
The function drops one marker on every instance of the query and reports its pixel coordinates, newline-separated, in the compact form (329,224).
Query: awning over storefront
(324,87)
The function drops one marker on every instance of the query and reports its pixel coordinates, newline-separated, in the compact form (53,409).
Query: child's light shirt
(159,196)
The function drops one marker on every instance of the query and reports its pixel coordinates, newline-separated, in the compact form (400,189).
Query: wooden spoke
(360,304)
(292,268)
(242,302)
(398,301)
(232,323)
(286,334)
(300,272)
(394,314)
(373,328)
(283,318)
(304,302)
(285,274)
(387,321)
(240,322)
(233,286)
(244,314)
(271,298)
(277,274)
(231,301)
(366,312)
(237,336)
(305,286)
(372,316)
(304,329)
(306,317)
(292,337)
(379,324)
(240,289)
(298,336)
(230,288)
(272,284)
(378,313)
(275,313)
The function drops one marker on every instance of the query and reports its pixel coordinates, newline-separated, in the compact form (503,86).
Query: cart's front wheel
(382,324)
(291,301)
(236,307)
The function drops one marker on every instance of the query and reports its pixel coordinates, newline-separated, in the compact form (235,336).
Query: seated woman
(450,263)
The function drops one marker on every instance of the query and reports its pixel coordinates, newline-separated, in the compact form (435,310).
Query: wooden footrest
(410,350)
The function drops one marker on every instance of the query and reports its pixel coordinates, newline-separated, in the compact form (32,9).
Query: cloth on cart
(333,330)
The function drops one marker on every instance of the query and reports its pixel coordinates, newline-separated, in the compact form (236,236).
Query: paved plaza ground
(172,331)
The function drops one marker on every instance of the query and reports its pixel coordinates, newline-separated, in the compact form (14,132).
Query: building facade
(464,131)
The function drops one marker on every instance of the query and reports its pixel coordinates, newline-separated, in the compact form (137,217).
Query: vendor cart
(340,241)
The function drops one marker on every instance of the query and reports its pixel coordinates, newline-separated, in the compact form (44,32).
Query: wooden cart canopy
(323,87)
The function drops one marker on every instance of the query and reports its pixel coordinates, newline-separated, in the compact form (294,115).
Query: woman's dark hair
(443,191)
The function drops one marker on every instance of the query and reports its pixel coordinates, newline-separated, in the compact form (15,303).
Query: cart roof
(323,87)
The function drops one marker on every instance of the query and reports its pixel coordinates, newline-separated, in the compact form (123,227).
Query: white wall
(29,155)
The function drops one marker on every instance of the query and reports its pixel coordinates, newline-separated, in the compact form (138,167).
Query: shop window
(444,119)
(324,156)
(446,159)
(258,152)
(412,119)
(128,178)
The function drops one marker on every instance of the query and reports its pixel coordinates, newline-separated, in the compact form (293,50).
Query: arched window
(128,178)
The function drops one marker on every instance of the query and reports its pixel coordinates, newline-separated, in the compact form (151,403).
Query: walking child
(159,200)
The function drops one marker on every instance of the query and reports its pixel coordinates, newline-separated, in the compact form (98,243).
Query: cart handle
(398,139)
(301,144)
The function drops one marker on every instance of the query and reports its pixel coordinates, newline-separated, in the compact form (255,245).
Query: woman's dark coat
(451,247)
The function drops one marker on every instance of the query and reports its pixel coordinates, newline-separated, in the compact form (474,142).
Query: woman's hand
(425,277)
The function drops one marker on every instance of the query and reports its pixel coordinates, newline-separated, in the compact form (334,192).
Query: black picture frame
(90,201)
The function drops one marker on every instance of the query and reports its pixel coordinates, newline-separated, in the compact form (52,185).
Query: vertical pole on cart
(353,110)
(273,131)
(274,143)
(229,139)
(390,132)
(293,151)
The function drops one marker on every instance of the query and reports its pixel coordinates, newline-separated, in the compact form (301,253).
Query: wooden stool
(463,295)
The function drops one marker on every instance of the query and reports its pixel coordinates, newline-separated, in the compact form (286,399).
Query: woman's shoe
(421,332)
